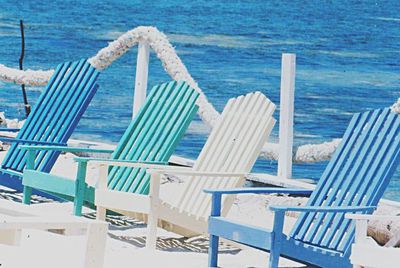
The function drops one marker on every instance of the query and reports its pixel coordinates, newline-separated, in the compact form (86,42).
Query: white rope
(167,55)
(106,56)
(26,77)
(307,153)
(177,70)
(396,106)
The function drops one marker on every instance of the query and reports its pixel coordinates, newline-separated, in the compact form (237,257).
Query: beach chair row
(129,181)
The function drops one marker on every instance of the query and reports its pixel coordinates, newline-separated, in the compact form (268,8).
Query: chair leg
(152,220)
(101,213)
(214,240)
(276,239)
(95,245)
(27,195)
(30,164)
(213,251)
(274,258)
(78,199)
(78,204)
(10,237)
(80,188)
(152,231)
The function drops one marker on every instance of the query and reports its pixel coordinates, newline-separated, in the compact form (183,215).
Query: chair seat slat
(359,152)
(232,146)
(372,152)
(153,134)
(302,226)
(41,124)
(171,114)
(138,133)
(36,113)
(368,157)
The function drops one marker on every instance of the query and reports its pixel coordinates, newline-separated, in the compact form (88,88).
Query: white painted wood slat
(240,160)
(233,146)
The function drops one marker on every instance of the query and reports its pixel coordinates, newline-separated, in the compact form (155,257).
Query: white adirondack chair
(227,157)
(365,252)
(21,227)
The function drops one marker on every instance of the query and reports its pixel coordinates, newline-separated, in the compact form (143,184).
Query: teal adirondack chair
(52,121)
(353,182)
(150,138)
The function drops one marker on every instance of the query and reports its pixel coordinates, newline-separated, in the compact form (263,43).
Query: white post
(142,71)
(286,116)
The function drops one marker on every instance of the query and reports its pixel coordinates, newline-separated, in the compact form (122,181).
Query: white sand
(125,245)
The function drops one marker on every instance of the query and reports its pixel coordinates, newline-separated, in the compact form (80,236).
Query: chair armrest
(9,129)
(158,167)
(14,140)
(11,172)
(361,221)
(122,163)
(259,190)
(216,197)
(191,172)
(280,214)
(63,149)
(372,217)
(324,209)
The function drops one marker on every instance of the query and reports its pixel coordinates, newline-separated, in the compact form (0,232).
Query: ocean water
(347,59)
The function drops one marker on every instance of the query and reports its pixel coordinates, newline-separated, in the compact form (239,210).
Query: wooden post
(142,71)
(286,116)
(21,62)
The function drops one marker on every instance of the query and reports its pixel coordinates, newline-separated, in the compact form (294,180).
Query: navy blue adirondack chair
(52,121)
(353,182)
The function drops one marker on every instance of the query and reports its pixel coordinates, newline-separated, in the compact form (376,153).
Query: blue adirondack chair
(52,121)
(151,138)
(353,182)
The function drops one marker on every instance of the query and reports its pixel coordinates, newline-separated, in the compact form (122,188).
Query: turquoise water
(347,58)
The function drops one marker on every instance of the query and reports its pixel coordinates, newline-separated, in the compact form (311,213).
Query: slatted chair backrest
(56,114)
(153,134)
(233,146)
(357,175)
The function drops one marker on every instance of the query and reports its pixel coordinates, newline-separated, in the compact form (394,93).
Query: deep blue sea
(347,59)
